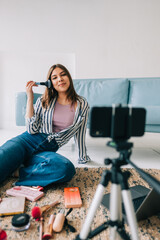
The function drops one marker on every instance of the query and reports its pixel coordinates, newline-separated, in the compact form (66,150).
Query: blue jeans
(42,165)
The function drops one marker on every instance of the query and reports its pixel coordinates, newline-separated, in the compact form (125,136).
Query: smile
(62,84)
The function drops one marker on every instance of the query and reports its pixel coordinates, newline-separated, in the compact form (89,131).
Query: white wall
(94,38)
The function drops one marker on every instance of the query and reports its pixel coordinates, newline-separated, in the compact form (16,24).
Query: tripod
(122,123)
(119,190)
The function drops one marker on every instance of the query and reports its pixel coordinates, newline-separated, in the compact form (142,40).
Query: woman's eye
(54,78)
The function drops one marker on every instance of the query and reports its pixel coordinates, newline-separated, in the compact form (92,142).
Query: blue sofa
(139,92)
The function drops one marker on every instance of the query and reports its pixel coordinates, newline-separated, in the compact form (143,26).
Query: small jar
(21,222)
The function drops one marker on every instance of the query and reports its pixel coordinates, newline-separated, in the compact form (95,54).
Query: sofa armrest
(21,101)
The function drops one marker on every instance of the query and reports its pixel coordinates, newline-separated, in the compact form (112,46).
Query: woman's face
(60,80)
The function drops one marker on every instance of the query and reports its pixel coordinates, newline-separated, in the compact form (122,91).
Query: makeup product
(12,206)
(3,234)
(39,188)
(59,221)
(41,228)
(49,228)
(47,83)
(38,211)
(72,198)
(66,223)
(28,192)
(20,222)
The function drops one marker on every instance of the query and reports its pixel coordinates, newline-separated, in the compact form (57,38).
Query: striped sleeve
(33,124)
(81,133)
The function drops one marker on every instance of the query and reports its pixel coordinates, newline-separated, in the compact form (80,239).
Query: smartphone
(118,123)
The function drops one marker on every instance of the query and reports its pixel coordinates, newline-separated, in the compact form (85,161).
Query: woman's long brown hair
(51,93)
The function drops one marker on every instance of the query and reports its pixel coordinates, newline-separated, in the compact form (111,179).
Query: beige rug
(87,180)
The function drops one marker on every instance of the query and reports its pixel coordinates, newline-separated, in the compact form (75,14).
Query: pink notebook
(28,192)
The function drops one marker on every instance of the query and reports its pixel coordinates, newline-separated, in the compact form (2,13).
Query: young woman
(56,117)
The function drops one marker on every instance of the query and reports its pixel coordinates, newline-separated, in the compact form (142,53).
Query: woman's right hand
(29,89)
(30,97)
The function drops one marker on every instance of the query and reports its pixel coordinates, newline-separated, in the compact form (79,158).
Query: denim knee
(12,155)
(68,170)
(45,168)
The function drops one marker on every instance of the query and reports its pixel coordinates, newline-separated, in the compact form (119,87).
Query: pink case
(28,192)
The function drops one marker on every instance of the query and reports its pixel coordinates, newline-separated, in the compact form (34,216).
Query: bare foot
(16,173)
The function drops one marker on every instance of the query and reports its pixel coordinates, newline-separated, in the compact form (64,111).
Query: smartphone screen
(119,123)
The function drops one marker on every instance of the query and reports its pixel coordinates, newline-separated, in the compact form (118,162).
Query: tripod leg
(92,210)
(131,218)
(94,205)
(115,210)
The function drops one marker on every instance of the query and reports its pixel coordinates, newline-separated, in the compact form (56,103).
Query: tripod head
(124,148)
(120,145)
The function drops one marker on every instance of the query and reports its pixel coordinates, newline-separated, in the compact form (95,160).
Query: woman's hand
(29,89)
(30,96)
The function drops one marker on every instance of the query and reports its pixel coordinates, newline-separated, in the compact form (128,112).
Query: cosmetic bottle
(59,221)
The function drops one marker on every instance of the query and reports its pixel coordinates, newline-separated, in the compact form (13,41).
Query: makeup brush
(38,211)
(49,228)
(47,83)
(41,228)
(3,235)
(71,228)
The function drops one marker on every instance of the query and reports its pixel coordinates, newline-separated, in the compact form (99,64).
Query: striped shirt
(41,122)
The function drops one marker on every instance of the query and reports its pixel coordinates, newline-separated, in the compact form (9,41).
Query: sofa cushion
(152,128)
(153,115)
(103,92)
(144,92)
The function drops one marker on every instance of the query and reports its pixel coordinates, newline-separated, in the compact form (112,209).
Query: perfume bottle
(47,83)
